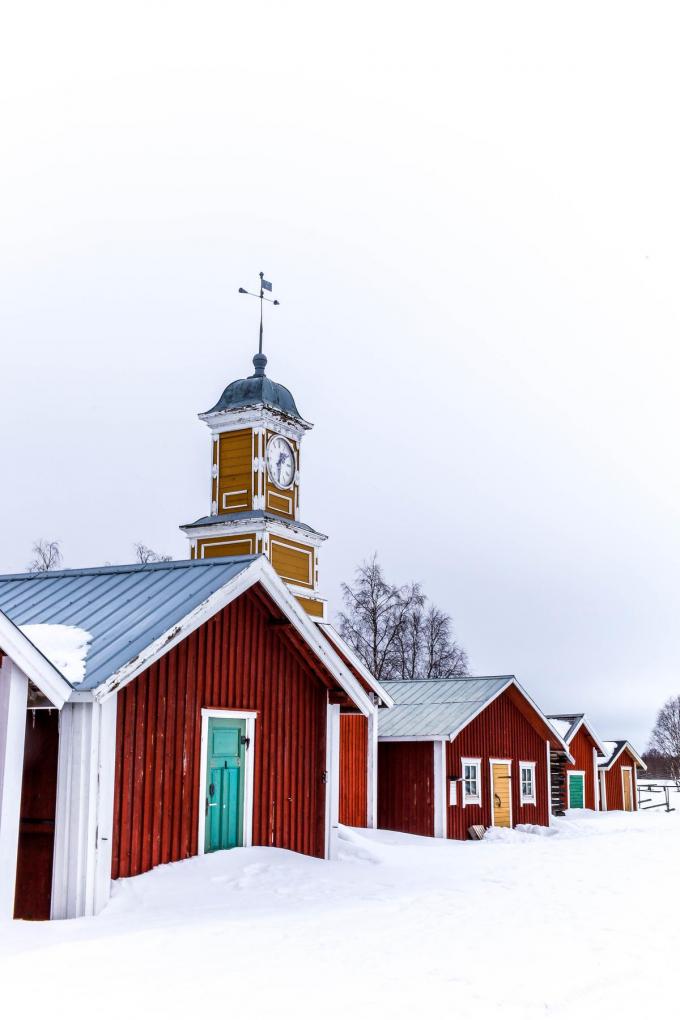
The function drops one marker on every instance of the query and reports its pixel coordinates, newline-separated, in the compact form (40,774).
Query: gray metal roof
(252,515)
(125,608)
(428,708)
(257,389)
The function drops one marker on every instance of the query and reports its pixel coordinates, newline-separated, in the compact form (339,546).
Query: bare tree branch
(46,556)
(394,630)
(144,554)
(665,739)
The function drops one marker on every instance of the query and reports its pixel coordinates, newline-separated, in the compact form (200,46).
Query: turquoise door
(224,784)
(575,790)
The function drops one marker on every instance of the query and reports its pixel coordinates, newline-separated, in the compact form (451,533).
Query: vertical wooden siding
(500,731)
(581,749)
(615,785)
(353,770)
(234,661)
(406,786)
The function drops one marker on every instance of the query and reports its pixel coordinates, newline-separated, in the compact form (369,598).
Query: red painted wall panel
(406,787)
(234,661)
(581,748)
(500,731)
(615,785)
(354,770)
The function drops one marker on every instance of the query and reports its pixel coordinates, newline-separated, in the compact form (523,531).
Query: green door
(575,790)
(224,784)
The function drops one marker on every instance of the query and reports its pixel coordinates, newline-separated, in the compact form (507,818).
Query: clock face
(280,462)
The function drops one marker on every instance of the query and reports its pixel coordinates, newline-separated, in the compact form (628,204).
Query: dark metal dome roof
(257,389)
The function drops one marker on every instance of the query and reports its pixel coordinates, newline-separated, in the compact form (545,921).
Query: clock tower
(256,434)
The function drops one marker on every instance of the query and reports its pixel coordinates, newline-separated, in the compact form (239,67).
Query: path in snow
(578,920)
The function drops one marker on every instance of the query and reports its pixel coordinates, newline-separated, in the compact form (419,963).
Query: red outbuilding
(575,784)
(201,712)
(618,776)
(456,753)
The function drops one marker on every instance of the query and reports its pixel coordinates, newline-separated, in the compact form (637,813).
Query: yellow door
(627,790)
(500,795)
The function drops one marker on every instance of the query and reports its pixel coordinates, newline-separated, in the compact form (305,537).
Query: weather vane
(264,285)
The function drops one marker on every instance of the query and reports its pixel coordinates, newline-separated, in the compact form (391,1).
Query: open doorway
(33,895)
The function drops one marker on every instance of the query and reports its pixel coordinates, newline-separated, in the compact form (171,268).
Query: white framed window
(527,782)
(471,780)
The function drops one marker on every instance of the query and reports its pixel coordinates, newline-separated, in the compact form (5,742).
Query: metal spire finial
(260,360)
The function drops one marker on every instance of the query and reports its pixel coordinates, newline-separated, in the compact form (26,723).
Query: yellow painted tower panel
(235,472)
(238,545)
(292,561)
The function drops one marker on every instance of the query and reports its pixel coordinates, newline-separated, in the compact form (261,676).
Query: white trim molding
(13,703)
(467,798)
(500,761)
(440,791)
(629,770)
(596,788)
(83,835)
(332,780)
(529,798)
(33,663)
(250,719)
(549,782)
(575,772)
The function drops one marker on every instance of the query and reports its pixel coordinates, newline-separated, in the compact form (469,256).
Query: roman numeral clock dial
(280,462)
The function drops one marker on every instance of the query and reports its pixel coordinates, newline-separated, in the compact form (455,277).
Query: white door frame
(440,788)
(596,784)
(575,772)
(13,704)
(332,815)
(603,790)
(627,769)
(500,761)
(249,753)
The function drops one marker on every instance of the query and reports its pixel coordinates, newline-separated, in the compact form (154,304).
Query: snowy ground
(580,922)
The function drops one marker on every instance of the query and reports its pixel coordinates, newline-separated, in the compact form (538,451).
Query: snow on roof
(562,724)
(65,646)
(121,609)
(613,749)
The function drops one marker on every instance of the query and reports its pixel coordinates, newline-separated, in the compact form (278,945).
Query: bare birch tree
(665,740)
(395,631)
(144,554)
(46,556)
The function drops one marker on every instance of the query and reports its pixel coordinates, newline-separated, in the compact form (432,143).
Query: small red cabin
(456,753)
(575,784)
(618,776)
(203,712)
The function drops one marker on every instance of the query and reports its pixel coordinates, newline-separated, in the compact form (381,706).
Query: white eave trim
(602,767)
(350,654)
(410,738)
(32,662)
(259,571)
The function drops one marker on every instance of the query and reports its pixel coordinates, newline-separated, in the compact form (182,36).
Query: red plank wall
(500,731)
(354,770)
(615,786)
(406,787)
(581,748)
(234,661)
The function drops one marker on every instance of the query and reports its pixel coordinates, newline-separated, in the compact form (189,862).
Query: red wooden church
(471,751)
(153,712)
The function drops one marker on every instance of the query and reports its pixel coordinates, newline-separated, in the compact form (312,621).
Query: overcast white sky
(470,214)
